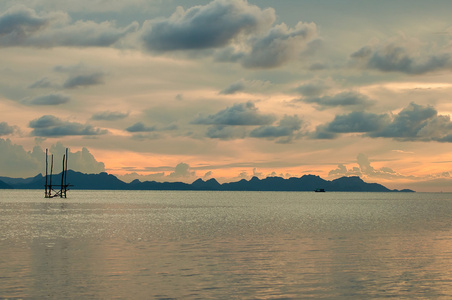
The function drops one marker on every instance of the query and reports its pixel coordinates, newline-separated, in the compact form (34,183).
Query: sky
(179,90)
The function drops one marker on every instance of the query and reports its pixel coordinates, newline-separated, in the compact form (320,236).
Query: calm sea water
(225,245)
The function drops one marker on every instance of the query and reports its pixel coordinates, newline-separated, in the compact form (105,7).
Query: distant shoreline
(104,181)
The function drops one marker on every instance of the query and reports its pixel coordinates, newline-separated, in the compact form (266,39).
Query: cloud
(313,89)
(22,26)
(182,170)
(341,170)
(365,169)
(51,99)
(15,161)
(109,116)
(181,173)
(6,129)
(226,132)
(51,126)
(140,127)
(287,128)
(80,75)
(84,34)
(42,84)
(242,85)
(317,67)
(20,22)
(417,122)
(201,27)
(397,56)
(280,45)
(354,122)
(239,114)
(234,88)
(352,100)
(413,123)
(321,132)
(207,176)
(82,161)
(237,32)
(83,80)
(358,122)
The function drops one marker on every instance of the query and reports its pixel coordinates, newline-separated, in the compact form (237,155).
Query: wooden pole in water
(51,172)
(62,178)
(47,165)
(65,176)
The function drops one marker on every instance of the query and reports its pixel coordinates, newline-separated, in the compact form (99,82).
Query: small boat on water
(319,190)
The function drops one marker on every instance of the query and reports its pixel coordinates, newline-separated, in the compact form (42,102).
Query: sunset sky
(172,90)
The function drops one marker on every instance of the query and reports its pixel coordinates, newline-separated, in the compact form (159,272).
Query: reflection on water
(223,245)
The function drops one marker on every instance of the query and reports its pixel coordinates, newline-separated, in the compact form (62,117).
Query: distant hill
(104,181)
(4,185)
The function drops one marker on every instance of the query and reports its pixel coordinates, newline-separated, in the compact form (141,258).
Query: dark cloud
(234,88)
(346,100)
(276,47)
(226,132)
(413,123)
(140,127)
(321,132)
(143,131)
(200,27)
(42,84)
(248,85)
(287,128)
(21,26)
(365,52)
(51,126)
(280,45)
(361,122)
(20,22)
(6,129)
(397,58)
(417,122)
(83,34)
(84,80)
(239,114)
(109,116)
(51,99)
(313,89)
(236,30)
(358,122)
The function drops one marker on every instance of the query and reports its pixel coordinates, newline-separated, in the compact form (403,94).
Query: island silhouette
(104,181)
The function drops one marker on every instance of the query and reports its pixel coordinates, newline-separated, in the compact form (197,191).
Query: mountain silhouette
(104,181)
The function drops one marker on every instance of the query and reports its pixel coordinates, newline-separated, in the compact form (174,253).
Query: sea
(225,245)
